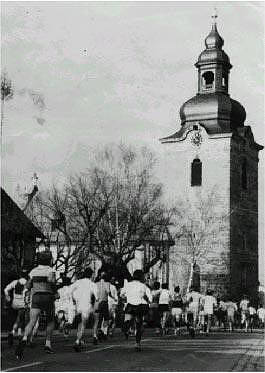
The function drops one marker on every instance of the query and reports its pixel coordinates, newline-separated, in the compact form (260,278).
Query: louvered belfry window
(196,172)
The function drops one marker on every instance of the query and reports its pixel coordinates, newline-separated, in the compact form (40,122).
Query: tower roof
(212,106)
(214,40)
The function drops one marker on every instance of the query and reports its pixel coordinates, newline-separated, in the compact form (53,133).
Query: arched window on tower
(207,79)
(196,172)
(244,180)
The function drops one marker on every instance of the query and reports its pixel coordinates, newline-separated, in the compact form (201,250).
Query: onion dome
(214,40)
(214,110)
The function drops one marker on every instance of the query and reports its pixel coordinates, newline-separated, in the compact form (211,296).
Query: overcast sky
(89,73)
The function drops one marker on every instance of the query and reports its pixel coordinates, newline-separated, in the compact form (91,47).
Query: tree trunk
(190,276)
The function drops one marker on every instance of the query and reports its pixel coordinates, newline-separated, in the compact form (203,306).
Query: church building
(218,157)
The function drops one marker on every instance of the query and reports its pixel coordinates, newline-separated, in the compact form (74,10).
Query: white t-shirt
(164,297)
(244,304)
(231,307)
(252,310)
(209,302)
(82,291)
(65,298)
(18,286)
(135,291)
(113,300)
(194,304)
(261,314)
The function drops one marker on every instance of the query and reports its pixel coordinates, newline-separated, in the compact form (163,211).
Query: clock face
(196,139)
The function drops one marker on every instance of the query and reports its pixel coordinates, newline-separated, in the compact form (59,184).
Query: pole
(117,217)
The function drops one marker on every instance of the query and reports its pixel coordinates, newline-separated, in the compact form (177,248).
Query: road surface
(218,352)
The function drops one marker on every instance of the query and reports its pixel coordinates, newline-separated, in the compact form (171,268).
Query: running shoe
(10,339)
(19,352)
(48,350)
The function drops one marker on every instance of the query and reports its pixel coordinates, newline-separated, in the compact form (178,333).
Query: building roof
(14,221)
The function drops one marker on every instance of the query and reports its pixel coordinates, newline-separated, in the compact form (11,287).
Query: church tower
(218,156)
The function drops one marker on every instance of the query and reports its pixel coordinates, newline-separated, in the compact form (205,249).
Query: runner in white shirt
(244,312)
(138,296)
(261,316)
(252,312)
(18,305)
(209,302)
(163,307)
(113,302)
(85,295)
(231,308)
(193,299)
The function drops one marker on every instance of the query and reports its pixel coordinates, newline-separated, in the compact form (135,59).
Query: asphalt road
(217,352)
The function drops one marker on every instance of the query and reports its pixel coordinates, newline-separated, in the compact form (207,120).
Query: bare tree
(6,94)
(135,211)
(197,224)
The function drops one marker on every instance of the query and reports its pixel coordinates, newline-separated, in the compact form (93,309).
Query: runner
(138,296)
(42,285)
(252,313)
(221,313)
(102,315)
(154,311)
(261,316)
(85,295)
(64,307)
(177,309)
(193,300)
(244,312)
(231,308)
(209,302)
(113,302)
(18,290)
(163,307)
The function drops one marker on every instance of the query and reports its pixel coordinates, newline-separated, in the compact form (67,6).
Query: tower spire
(214,17)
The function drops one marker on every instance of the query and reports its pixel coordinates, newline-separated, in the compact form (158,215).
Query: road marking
(100,349)
(23,366)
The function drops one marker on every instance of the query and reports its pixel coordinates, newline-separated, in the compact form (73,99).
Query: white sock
(77,341)
(48,343)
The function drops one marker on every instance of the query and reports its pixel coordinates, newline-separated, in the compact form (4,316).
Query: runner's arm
(9,288)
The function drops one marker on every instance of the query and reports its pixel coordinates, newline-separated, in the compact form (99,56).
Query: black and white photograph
(132,186)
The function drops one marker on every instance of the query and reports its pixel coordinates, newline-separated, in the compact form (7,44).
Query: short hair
(138,275)
(44,258)
(209,292)
(177,289)
(87,273)
(165,285)
(156,285)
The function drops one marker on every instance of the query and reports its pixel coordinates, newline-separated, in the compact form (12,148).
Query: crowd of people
(102,299)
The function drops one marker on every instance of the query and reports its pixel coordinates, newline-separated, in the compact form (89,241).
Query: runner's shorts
(176,312)
(137,310)
(231,317)
(103,309)
(44,302)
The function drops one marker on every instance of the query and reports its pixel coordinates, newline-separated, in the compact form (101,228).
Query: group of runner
(98,300)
